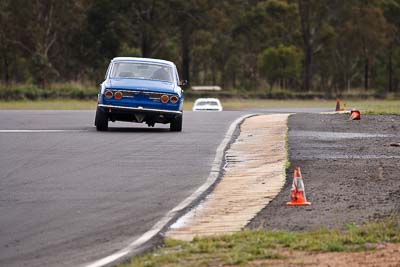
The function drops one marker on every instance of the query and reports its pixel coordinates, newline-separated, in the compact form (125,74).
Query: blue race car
(141,90)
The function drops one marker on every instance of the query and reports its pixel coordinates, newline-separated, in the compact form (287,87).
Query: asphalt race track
(72,196)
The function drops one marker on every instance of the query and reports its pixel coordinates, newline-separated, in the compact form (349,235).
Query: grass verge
(366,106)
(246,246)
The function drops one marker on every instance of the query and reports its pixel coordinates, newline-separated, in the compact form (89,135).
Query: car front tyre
(176,124)
(101,120)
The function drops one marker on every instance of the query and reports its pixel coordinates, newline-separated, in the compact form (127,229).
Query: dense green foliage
(328,46)
(280,63)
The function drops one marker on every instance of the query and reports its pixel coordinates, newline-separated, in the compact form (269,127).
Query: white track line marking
(42,131)
(214,173)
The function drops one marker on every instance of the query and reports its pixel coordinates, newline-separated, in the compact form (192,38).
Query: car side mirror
(183,82)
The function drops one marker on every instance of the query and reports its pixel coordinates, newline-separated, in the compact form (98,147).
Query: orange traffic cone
(355,115)
(337,104)
(298,193)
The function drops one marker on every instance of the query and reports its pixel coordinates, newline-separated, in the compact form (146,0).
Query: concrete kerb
(252,177)
(155,235)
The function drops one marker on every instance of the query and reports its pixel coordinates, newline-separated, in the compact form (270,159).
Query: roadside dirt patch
(350,170)
(387,255)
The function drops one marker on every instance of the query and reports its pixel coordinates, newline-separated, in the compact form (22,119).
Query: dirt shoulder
(350,171)
(385,255)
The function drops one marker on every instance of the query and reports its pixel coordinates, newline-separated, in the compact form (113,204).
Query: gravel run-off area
(351,172)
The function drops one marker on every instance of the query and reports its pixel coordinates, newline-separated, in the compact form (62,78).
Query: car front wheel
(176,124)
(101,120)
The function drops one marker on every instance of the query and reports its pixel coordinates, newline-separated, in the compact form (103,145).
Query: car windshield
(138,70)
(205,103)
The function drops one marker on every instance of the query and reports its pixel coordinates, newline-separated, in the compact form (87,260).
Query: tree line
(299,45)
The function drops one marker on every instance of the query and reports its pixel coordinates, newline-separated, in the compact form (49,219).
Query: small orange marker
(337,104)
(355,115)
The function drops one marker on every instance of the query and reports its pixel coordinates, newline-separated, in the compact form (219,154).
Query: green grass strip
(246,246)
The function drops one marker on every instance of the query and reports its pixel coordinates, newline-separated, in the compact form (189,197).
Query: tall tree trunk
(233,79)
(307,36)
(366,74)
(6,65)
(45,43)
(308,60)
(214,74)
(6,71)
(224,76)
(144,46)
(43,75)
(43,79)
(390,69)
(185,43)
(271,87)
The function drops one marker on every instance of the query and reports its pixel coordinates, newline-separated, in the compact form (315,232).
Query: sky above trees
(320,45)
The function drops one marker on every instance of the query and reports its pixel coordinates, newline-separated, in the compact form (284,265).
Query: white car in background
(207,104)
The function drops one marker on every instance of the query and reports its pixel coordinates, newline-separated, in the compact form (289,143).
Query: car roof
(207,99)
(142,59)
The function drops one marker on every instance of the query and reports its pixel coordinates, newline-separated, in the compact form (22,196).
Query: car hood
(140,84)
